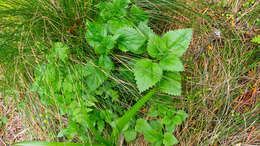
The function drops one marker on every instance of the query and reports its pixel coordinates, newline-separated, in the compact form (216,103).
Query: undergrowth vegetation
(123,72)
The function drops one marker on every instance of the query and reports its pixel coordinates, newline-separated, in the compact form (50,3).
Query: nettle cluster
(125,29)
(78,90)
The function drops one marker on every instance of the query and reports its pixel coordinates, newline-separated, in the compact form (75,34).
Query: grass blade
(130,113)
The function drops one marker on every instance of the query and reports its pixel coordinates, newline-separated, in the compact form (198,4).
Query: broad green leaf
(156,47)
(130,114)
(105,45)
(170,127)
(130,40)
(182,114)
(178,40)
(146,30)
(171,83)
(115,25)
(156,125)
(138,15)
(41,143)
(147,74)
(256,39)
(95,33)
(177,119)
(171,63)
(169,139)
(166,120)
(150,134)
(121,3)
(157,143)
(106,63)
(61,50)
(130,135)
(96,78)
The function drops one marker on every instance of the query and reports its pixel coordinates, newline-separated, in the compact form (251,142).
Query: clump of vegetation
(112,72)
(77,90)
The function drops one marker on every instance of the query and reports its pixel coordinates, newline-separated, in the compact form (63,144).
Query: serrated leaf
(130,135)
(182,114)
(171,63)
(156,47)
(121,3)
(147,74)
(95,33)
(177,119)
(166,120)
(256,39)
(156,125)
(170,127)
(106,63)
(146,30)
(169,139)
(60,50)
(178,40)
(96,78)
(105,45)
(171,83)
(115,25)
(150,134)
(138,15)
(130,40)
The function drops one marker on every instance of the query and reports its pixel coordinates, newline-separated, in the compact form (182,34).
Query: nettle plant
(77,90)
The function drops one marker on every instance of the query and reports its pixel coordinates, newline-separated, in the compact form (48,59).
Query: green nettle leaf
(178,40)
(121,3)
(146,30)
(115,25)
(171,63)
(177,119)
(156,47)
(97,37)
(147,74)
(61,50)
(166,120)
(95,33)
(96,78)
(156,125)
(106,63)
(170,127)
(256,39)
(150,134)
(106,45)
(138,15)
(130,40)
(130,135)
(171,83)
(169,139)
(182,114)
